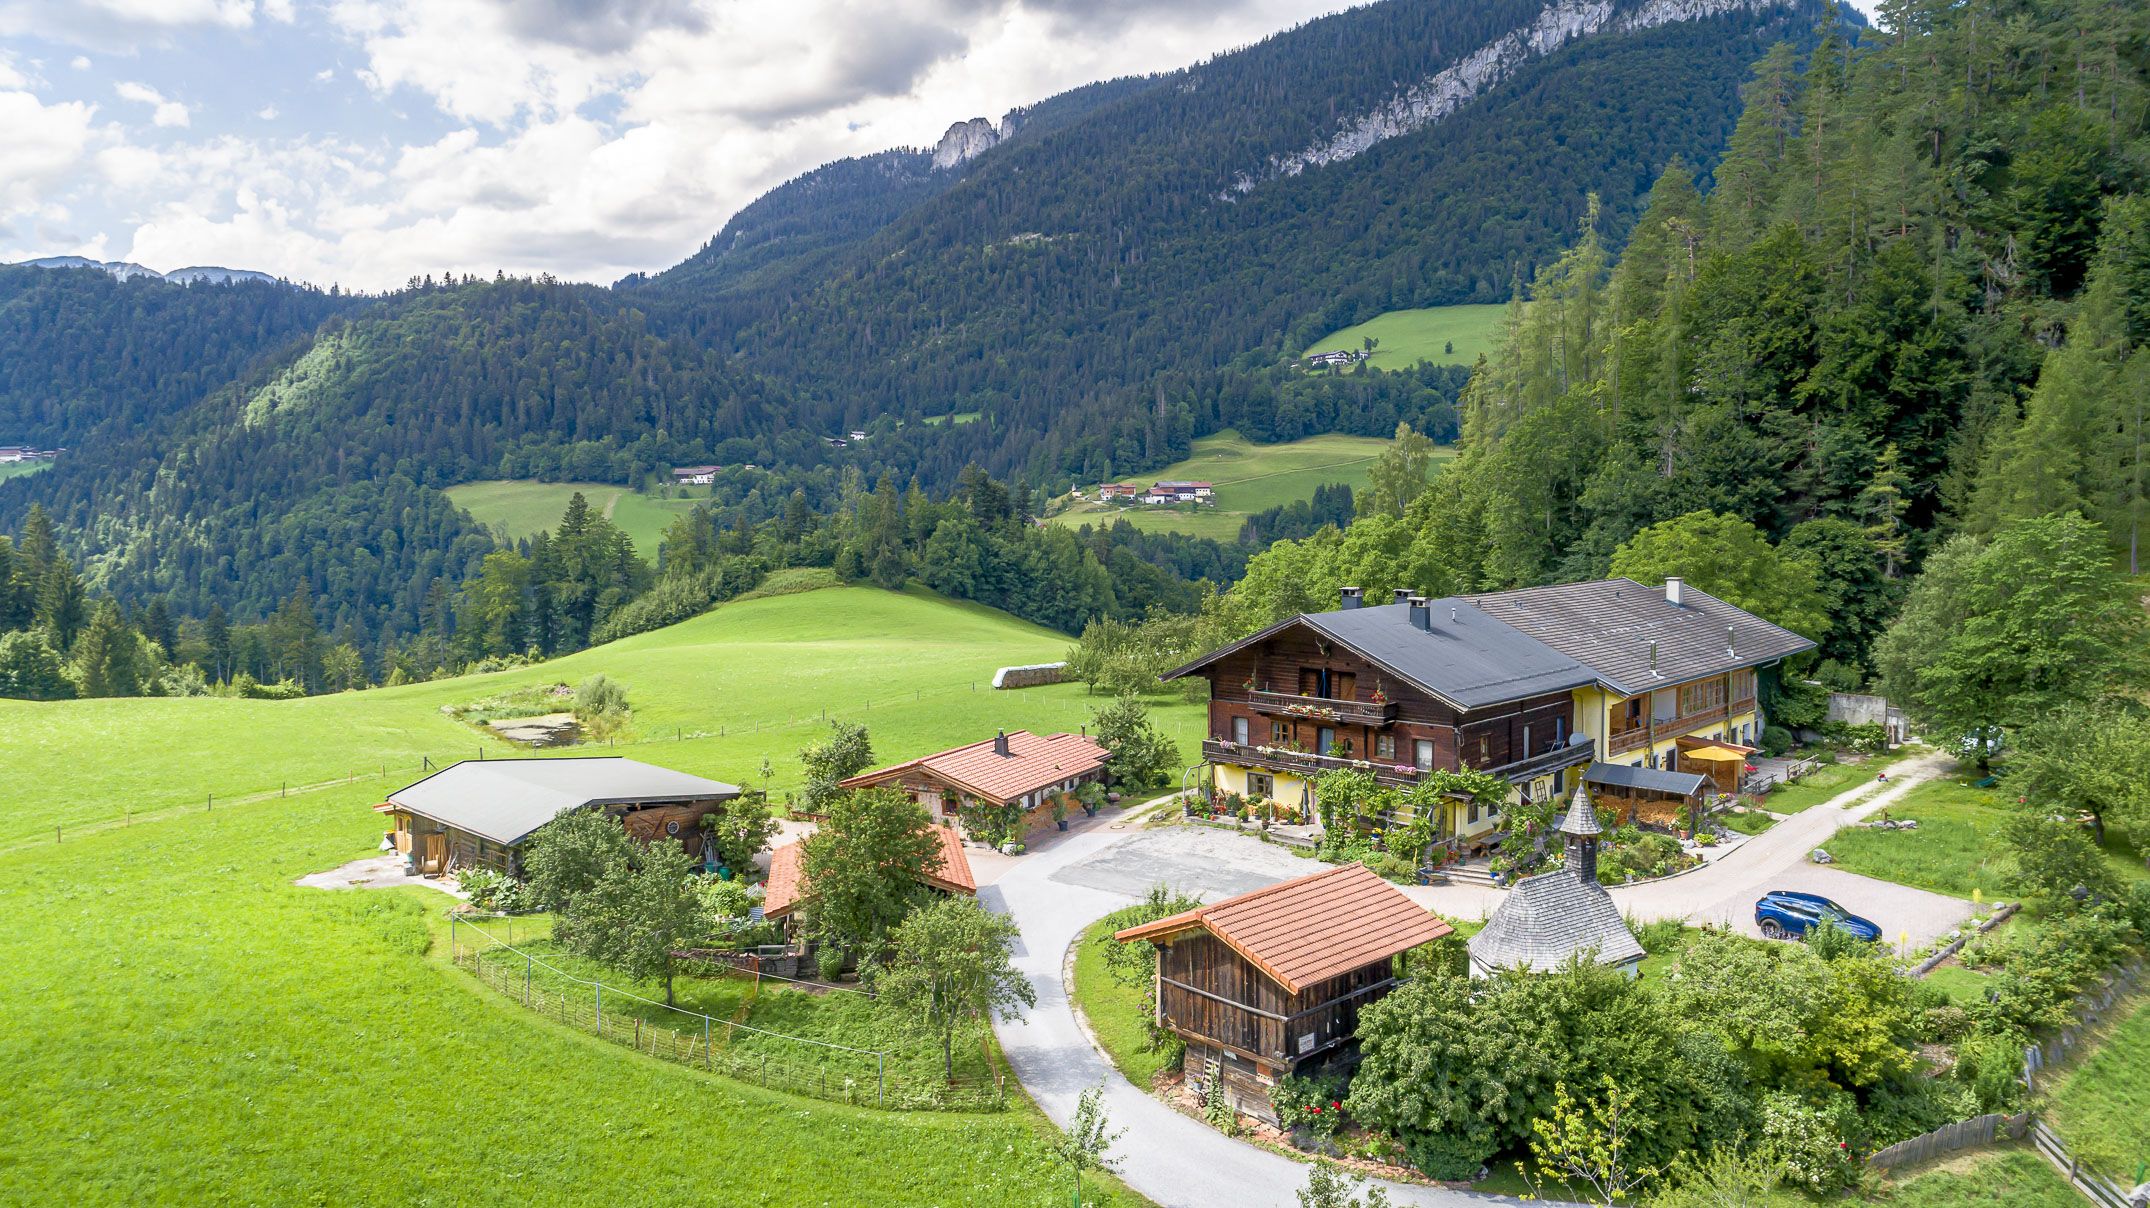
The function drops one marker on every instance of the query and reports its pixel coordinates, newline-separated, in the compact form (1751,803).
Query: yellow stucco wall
(1290,790)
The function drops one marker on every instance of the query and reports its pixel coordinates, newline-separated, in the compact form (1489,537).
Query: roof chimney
(1000,743)
(1672,591)
(1421,615)
(1731,643)
(1353,597)
(1454,619)
(1653,658)
(1401,595)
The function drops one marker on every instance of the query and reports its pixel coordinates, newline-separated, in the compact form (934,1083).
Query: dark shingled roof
(1620,775)
(1610,624)
(1548,919)
(1466,658)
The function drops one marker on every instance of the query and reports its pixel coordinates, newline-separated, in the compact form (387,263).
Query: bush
(1816,1154)
(1392,867)
(829,962)
(1776,740)
(1448,1157)
(1899,1109)
(491,890)
(1990,1067)
(1314,1103)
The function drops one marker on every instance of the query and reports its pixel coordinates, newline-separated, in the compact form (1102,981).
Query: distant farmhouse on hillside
(1170,491)
(480,812)
(20,453)
(696,476)
(1337,359)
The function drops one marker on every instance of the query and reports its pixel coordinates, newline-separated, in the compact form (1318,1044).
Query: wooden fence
(2097,1189)
(2090,1009)
(1978,1130)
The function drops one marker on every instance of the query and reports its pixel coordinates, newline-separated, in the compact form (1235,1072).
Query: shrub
(1314,1102)
(491,890)
(1899,1109)
(1447,1156)
(829,962)
(1392,867)
(1944,1024)
(1816,1155)
(1776,740)
(1990,1067)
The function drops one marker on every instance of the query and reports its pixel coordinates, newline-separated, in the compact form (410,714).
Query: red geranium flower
(1337,1106)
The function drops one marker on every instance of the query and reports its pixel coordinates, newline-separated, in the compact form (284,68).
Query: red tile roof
(1033,761)
(1306,930)
(787,873)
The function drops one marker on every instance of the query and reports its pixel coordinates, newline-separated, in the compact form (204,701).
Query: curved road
(1181,1162)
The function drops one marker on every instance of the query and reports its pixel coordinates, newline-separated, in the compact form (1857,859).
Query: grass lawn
(745,682)
(183,1024)
(2014,1177)
(1830,779)
(1410,336)
(1249,478)
(1963,986)
(1953,851)
(1750,822)
(519,509)
(953,417)
(1113,1008)
(2101,1108)
(19,469)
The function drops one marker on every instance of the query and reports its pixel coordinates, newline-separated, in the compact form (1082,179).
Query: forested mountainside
(1097,291)
(81,348)
(1910,323)
(1100,278)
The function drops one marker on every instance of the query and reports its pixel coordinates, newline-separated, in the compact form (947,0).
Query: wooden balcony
(1324,708)
(1545,763)
(1302,763)
(1637,736)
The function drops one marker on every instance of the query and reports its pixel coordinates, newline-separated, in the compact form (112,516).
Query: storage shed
(481,811)
(1271,982)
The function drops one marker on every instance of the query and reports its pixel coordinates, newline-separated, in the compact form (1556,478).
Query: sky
(361,142)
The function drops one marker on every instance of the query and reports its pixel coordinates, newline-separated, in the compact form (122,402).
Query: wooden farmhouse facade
(1544,687)
(1271,983)
(480,812)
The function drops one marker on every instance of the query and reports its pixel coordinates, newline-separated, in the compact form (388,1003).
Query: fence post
(526,979)
(765,1069)
(880,1077)
(600,1008)
(453,950)
(709,1058)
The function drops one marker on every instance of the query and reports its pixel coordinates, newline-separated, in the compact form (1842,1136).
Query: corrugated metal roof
(1549,919)
(505,799)
(1611,624)
(1620,775)
(1311,928)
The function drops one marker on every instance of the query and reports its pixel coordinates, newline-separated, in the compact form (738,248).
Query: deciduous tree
(951,971)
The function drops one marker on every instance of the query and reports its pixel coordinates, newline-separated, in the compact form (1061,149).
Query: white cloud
(588,138)
(164,112)
(45,147)
(80,62)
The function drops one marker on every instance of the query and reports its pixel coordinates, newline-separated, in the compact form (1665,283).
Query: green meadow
(19,469)
(1410,336)
(714,696)
(184,1024)
(2101,1108)
(1248,478)
(518,509)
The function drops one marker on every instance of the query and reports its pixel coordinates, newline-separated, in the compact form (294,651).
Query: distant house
(482,811)
(16,453)
(1022,769)
(1183,490)
(699,476)
(787,890)
(1339,357)
(1559,916)
(836,442)
(1111,491)
(858,434)
(1271,982)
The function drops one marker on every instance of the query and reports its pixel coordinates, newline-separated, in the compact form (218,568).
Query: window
(1324,740)
(1743,685)
(1279,732)
(1309,682)
(1261,784)
(1385,747)
(1422,754)
(1239,730)
(1701,697)
(1485,750)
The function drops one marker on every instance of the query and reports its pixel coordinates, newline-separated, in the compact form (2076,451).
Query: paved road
(1176,1161)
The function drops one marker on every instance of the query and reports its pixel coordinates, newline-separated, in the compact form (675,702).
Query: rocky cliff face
(1444,92)
(966,141)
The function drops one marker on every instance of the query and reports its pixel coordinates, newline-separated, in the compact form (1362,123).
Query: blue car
(1784,914)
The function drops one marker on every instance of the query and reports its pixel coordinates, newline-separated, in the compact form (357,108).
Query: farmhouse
(1559,916)
(1271,982)
(1022,769)
(1546,687)
(481,811)
(1185,492)
(1111,491)
(700,476)
(1343,356)
(787,890)
(10,453)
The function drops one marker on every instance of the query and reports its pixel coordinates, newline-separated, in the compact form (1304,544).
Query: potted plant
(1060,811)
(1091,795)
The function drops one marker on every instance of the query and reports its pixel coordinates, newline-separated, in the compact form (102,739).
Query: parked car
(1785,914)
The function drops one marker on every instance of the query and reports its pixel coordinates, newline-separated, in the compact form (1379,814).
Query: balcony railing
(1303,763)
(1547,762)
(1635,736)
(1324,708)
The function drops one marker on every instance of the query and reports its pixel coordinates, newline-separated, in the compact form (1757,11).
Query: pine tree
(109,655)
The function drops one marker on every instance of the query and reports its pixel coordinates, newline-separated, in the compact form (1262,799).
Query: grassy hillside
(234,1037)
(519,509)
(745,682)
(1249,478)
(20,469)
(1410,336)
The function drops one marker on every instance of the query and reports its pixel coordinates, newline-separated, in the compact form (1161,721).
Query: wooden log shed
(1270,983)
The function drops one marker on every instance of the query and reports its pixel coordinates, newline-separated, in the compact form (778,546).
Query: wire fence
(803,1066)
